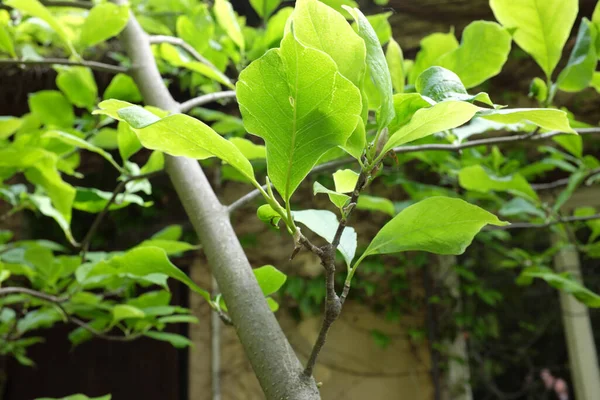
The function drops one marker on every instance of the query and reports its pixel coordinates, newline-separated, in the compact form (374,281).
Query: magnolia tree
(317,92)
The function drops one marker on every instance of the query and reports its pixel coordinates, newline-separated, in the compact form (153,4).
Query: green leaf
(338,199)
(127,141)
(82,144)
(427,121)
(228,21)
(395,62)
(40,318)
(169,246)
(440,84)
(78,84)
(581,66)
(125,311)
(482,53)
(177,341)
(290,97)
(312,21)
(171,232)
(196,29)
(546,118)
(264,8)
(538,89)
(324,223)
(143,261)
(93,200)
(572,143)
(250,150)
(267,214)
(6,41)
(178,135)
(541,28)
(345,180)
(563,282)
(123,87)
(373,203)
(381,26)
(9,125)
(36,9)
(519,206)
(103,22)
(269,278)
(156,162)
(273,305)
(377,67)
(178,319)
(173,55)
(433,47)
(105,138)
(78,397)
(44,205)
(52,108)
(405,106)
(477,179)
(440,225)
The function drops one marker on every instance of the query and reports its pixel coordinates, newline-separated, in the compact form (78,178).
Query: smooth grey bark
(274,362)
(583,358)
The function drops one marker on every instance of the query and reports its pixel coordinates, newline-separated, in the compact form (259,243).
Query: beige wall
(351,367)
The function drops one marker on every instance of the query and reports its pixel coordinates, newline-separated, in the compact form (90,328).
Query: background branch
(98,66)
(205,99)
(563,220)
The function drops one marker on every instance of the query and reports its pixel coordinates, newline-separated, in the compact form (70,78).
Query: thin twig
(157,39)
(205,99)
(63,3)
(98,66)
(527,225)
(426,147)
(85,244)
(562,182)
(57,301)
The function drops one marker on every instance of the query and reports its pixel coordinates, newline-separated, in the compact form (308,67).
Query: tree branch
(57,301)
(85,243)
(157,39)
(274,362)
(427,147)
(527,225)
(562,182)
(205,99)
(98,66)
(56,3)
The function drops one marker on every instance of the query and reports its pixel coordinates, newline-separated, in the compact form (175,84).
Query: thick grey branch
(98,66)
(276,366)
(205,99)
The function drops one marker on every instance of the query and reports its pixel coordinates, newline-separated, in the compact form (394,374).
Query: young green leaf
(122,87)
(52,108)
(78,84)
(338,199)
(9,125)
(82,144)
(440,84)
(264,8)
(266,214)
(313,21)
(427,121)
(433,47)
(174,339)
(44,206)
(269,278)
(482,53)
(395,62)
(377,67)
(405,106)
(581,66)
(381,26)
(345,180)
(6,41)
(562,282)
(324,223)
(169,246)
(127,141)
(178,135)
(290,97)
(373,203)
(125,311)
(103,22)
(546,118)
(440,225)
(228,21)
(541,27)
(93,200)
(37,9)
(477,179)
(143,261)
(171,232)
